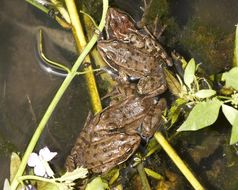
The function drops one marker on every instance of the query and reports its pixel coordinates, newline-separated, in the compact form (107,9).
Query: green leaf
(114,177)
(189,73)
(235,59)
(151,147)
(173,84)
(153,174)
(97,184)
(78,173)
(205,93)
(14,165)
(234,132)
(175,110)
(231,78)
(202,115)
(231,115)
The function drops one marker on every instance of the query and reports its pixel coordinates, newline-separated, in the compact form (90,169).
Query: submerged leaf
(97,184)
(14,165)
(202,115)
(231,78)
(189,73)
(232,116)
(205,93)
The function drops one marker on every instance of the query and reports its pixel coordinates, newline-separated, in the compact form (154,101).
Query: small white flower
(40,162)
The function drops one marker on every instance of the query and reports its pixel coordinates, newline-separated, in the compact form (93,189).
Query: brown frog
(119,25)
(133,54)
(134,63)
(113,135)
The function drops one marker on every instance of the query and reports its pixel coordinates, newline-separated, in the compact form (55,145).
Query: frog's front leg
(122,77)
(152,85)
(153,119)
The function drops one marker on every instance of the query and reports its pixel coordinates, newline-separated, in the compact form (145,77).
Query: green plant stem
(178,161)
(144,180)
(33,177)
(57,98)
(81,42)
(224,97)
(37,5)
(227,101)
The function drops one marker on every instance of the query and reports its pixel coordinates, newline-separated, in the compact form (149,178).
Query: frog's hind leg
(111,151)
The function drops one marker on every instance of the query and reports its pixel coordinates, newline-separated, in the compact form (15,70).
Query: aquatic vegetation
(98,184)
(205,101)
(44,178)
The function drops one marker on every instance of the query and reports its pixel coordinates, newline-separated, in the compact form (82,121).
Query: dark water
(203,29)
(26,90)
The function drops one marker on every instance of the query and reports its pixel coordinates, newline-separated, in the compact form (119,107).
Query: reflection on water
(26,90)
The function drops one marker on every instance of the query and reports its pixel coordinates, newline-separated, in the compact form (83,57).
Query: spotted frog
(113,135)
(133,54)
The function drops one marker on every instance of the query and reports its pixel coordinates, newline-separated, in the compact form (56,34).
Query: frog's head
(118,24)
(113,52)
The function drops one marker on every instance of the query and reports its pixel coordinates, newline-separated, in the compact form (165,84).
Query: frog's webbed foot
(153,32)
(158,33)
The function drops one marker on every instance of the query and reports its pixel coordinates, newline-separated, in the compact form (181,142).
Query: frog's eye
(114,43)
